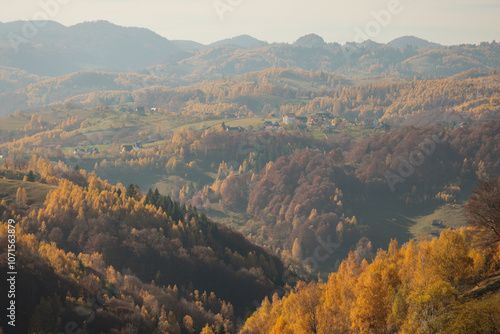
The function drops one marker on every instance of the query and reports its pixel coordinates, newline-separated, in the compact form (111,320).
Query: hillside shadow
(387,218)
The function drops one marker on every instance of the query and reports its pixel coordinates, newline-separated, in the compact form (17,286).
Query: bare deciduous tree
(483,210)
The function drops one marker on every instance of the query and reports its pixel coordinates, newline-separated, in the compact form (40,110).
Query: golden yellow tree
(21,196)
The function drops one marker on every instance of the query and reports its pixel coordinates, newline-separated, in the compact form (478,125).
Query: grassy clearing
(167,184)
(388,220)
(452,215)
(35,191)
(243,122)
(234,220)
(318,133)
(12,122)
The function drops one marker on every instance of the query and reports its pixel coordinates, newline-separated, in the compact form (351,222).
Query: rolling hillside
(97,46)
(103,46)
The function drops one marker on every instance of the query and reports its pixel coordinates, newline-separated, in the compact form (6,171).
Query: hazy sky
(442,21)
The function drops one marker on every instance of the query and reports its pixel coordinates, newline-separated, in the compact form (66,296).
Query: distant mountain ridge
(405,41)
(242,41)
(100,46)
(311,40)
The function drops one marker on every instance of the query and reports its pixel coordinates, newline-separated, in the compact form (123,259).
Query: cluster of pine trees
(202,274)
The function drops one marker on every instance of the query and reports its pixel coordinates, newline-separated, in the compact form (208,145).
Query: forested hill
(55,49)
(154,265)
(103,46)
(280,90)
(448,284)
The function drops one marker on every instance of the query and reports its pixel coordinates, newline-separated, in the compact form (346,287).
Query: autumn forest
(249,188)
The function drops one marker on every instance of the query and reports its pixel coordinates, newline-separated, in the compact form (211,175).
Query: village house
(289,118)
(437,223)
(79,151)
(301,120)
(270,124)
(92,150)
(273,128)
(315,119)
(129,148)
(234,128)
(324,116)
(370,123)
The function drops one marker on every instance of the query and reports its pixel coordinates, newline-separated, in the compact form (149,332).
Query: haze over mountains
(54,50)
(57,50)
(405,41)
(129,59)
(168,186)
